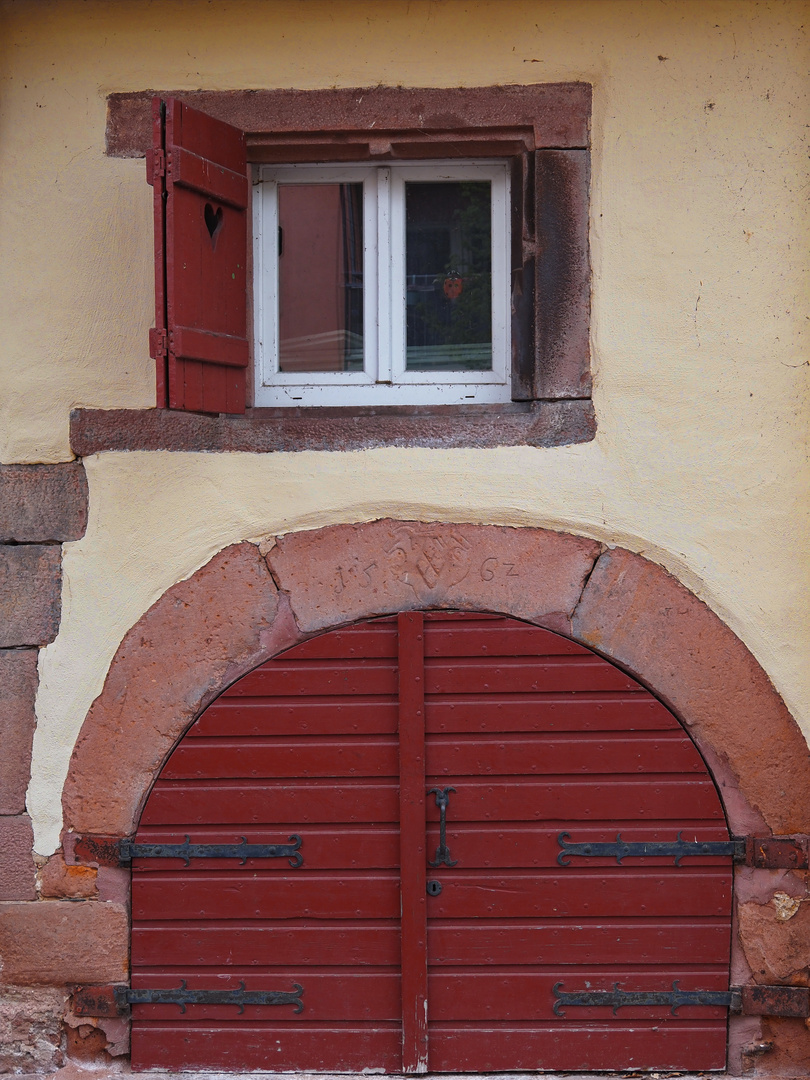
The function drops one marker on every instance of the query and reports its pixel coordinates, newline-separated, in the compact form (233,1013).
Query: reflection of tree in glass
(435,318)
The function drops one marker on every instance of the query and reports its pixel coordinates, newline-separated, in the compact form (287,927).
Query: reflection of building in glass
(320,277)
(448,276)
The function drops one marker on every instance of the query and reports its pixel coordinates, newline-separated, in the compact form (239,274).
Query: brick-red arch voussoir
(241,608)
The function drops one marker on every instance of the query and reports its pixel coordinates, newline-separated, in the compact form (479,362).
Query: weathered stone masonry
(41,507)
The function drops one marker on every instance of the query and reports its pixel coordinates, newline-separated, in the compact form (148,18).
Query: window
(532,387)
(381,285)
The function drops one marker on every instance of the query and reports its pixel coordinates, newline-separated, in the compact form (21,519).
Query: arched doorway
(420,781)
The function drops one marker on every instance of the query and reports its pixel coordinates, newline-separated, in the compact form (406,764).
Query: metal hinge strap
(243,850)
(623,849)
(767,852)
(619,999)
(182,996)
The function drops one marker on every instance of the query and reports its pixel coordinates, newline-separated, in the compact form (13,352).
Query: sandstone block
(17,870)
(57,943)
(30,594)
(42,502)
(31,1029)
(637,614)
(59,881)
(347,572)
(193,642)
(777,949)
(18,687)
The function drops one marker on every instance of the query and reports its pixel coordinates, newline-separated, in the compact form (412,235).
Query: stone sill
(115,1071)
(265,431)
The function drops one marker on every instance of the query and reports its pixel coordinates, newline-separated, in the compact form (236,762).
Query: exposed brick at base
(56,943)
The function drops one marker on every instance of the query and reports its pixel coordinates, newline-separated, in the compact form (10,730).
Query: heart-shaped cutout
(213,222)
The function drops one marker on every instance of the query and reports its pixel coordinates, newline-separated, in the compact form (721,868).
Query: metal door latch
(442,852)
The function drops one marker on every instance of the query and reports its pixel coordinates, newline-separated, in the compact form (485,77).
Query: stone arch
(244,606)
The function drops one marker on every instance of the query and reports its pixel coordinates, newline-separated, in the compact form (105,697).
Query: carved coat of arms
(430,560)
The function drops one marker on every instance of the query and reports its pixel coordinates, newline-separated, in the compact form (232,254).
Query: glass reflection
(448,269)
(320,264)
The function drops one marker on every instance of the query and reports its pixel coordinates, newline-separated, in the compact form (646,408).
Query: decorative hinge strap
(242,851)
(182,996)
(619,999)
(749,1000)
(770,852)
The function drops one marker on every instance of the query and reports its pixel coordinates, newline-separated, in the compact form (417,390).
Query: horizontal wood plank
(512,755)
(579,893)
(251,716)
(528,995)
(521,675)
(284,804)
(277,1046)
(590,711)
(340,995)
(205,896)
(229,758)
(574,1045)
(509,638)
(262,943)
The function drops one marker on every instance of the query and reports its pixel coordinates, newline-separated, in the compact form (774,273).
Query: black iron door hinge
(129,850)
(769,852)
(750,1000)
(182,996)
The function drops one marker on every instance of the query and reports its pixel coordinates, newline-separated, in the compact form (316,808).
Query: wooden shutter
(343,742)
(198,169)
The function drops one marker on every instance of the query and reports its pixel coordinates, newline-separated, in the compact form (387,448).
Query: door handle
(442,853)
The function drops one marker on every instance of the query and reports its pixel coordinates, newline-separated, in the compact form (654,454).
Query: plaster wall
(699,238)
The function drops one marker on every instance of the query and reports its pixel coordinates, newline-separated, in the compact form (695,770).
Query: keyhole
(434,888)
(213,222)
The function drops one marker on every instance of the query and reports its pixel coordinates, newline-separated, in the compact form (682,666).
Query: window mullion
(384,283)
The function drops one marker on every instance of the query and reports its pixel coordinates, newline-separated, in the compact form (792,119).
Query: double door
(420,780)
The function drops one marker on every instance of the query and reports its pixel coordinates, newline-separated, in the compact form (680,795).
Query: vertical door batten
(412,842)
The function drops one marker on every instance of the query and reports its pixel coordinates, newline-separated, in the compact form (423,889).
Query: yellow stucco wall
(699,240)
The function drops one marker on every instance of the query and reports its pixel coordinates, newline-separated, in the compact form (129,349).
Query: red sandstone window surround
(541,132)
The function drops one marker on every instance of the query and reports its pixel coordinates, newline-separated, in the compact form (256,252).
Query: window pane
(448,267)
(320,277)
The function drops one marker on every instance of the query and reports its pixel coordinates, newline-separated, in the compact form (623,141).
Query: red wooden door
(343,742)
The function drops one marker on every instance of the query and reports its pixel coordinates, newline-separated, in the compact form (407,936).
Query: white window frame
(384,380)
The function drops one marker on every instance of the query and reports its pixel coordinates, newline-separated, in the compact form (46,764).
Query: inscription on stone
(491,568)
(429,560)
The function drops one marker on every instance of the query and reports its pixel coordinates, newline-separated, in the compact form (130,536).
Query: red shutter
(458,960)
(199,174)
